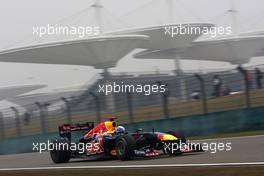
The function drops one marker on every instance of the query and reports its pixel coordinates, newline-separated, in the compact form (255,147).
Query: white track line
(229,138)
(133,166)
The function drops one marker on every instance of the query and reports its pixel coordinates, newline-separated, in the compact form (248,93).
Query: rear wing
(66,129)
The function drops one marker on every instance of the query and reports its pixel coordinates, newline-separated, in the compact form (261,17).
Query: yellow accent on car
(113,152)
(110,126)
(168,137)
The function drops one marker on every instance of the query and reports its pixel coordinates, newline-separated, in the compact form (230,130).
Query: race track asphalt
(244,150)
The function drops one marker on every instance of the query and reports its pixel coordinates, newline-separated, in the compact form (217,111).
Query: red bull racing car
(109,141)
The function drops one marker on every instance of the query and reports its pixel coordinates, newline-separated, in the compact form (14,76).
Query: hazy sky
(19,16)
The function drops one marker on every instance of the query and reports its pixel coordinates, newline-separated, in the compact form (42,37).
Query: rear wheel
(60,152)
(125,146)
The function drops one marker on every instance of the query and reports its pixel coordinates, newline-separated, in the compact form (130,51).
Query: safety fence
(185,95)
(217,123)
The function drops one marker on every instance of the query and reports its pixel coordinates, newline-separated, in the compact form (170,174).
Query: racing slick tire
(60,155)
(125,146)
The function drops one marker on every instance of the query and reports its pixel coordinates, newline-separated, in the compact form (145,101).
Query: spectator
(27,117)
(259,77)
(247,76)
(217,84)
(248,79)
(226,91)
(195,95)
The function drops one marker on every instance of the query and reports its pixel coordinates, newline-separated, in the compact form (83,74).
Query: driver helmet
(120,129)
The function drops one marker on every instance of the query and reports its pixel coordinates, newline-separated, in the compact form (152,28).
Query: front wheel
(125,146)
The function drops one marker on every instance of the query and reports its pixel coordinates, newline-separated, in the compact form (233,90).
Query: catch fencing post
(97,106)
(17,119)
(165,103)
(2,126)
(130,106)
(42,117)
(245,73)
(203,91)
(68,109)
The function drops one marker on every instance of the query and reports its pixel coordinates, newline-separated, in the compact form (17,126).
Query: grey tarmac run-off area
(244,150)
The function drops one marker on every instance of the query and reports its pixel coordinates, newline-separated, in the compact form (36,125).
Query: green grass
(172,171)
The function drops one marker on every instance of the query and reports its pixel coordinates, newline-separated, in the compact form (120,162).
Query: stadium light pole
(98,14)
(233,14)
(179,73)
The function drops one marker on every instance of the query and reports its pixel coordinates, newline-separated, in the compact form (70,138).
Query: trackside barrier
(197,125)
(208,124)
(2,131)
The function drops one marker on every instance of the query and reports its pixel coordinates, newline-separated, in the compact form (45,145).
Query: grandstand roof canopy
(43,97)
(100,52)
(103,51)
(11,92)
(160,39)
(236,50)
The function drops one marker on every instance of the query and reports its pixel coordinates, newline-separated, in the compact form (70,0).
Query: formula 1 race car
(109,141)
